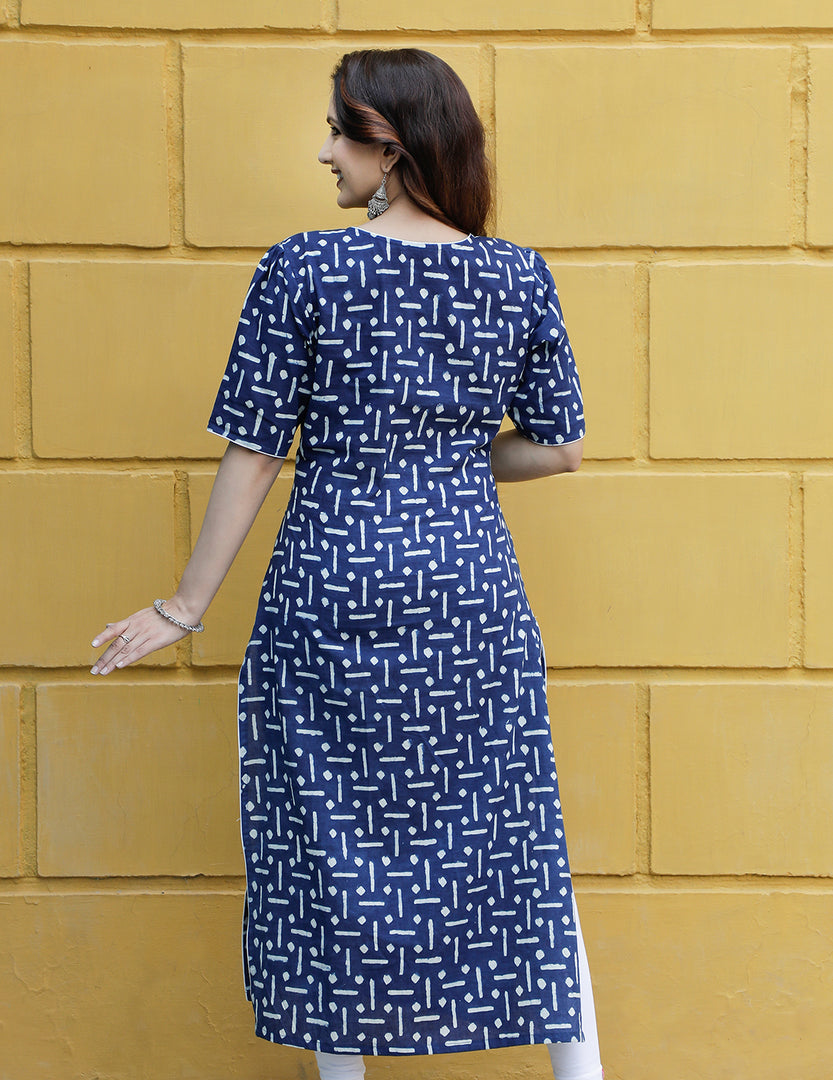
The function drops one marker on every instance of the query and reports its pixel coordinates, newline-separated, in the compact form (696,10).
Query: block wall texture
(673,161)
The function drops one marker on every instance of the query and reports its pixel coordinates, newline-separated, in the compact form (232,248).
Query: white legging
(579,1060)
(570,1061)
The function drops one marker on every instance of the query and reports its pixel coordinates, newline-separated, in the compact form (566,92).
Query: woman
(408,889)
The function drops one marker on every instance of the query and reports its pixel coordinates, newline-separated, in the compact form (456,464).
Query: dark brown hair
(411,100)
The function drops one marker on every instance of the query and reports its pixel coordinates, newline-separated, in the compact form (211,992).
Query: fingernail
(119,663)
(94,643)
(94,671)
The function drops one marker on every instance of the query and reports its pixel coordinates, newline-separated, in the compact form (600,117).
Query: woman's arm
(516,458)
(242,483)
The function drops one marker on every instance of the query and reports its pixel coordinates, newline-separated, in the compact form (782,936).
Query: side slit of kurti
(577,993)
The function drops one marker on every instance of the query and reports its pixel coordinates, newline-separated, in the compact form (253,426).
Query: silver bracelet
(198,629)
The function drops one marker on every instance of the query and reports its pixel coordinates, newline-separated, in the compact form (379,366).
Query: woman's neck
(404,220)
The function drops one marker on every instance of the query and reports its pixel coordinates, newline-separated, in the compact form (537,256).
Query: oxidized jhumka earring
(378,200)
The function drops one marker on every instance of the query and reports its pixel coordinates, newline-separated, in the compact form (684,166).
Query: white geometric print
(408,889)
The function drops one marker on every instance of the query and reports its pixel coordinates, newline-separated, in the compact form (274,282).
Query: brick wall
(673,159)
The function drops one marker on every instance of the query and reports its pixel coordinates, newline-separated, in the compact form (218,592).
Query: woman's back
(402,359)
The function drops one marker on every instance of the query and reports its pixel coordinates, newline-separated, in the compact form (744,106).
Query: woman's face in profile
(357,166)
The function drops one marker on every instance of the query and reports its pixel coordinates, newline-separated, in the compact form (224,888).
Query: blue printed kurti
(408,888)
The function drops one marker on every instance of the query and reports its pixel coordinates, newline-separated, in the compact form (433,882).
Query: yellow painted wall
(673,160)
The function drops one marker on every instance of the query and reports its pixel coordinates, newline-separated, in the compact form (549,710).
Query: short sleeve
(547,406)
(268,377)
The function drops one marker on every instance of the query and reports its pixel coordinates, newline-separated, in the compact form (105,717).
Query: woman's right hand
(133,638)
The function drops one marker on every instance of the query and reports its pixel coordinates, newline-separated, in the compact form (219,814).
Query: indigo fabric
(408,886)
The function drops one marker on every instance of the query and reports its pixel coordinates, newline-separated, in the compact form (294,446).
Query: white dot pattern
(408,887)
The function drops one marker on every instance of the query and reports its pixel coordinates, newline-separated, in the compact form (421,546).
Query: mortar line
(239,255)
(221,671)
(147,467)
(175,145)
(642,777)
(641,433)
(143,674)
(488,114)
(643,17)
(591,467)
(28,783)
(799,130)
(125,885)
(329,16)
(356,38)
(753,884)
(155,886)
(22,362)
(678,675)
(243,255)
(182,551)
(795,526)
(740,35)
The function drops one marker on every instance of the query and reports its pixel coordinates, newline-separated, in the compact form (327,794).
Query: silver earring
(378,200)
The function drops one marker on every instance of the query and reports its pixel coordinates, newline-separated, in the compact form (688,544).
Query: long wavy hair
(413,101)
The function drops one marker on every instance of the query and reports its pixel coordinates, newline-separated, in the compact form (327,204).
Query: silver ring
(125,638)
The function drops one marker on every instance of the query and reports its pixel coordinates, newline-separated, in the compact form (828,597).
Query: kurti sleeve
(547,406)
(268,378)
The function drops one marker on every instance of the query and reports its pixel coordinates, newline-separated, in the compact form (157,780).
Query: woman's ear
(390,156)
